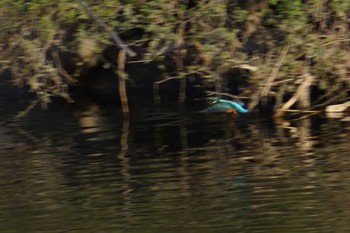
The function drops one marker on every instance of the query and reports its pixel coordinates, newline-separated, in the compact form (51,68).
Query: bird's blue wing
(239,107)
(236,105)
(218,107)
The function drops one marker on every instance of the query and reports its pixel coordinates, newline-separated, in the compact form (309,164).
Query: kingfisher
(221,105)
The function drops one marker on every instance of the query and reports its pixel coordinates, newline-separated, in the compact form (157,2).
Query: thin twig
(61,69)
(329,101)
(274,72)
(165,80)
(335,41)
(28,109)
(308,115)
(226,94)
(269,82)
(282,81)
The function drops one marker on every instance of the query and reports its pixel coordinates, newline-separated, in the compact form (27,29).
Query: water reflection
(90,170)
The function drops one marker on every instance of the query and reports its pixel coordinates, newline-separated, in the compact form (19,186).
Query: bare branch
(274,72)
(60,68)
(28,109)
(121,78)
(226,94)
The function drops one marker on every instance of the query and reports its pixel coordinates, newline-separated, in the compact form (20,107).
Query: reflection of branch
(298,110)
(124,164)
(124,161)
(102,24)
(183,167)
(124,140)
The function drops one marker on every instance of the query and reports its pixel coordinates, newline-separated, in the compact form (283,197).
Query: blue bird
(220,105)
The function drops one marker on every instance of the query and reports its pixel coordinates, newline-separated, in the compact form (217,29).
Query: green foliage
(240,15)
(214,31)
(290,18)
(340,7)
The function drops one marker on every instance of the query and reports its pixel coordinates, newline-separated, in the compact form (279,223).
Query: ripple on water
(164,172)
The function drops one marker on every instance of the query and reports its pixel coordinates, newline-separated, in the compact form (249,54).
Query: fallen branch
(301,89)
(302,111)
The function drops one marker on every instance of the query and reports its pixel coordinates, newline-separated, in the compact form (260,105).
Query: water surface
(86,169)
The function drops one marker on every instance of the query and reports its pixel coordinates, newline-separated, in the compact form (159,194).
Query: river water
(169,169)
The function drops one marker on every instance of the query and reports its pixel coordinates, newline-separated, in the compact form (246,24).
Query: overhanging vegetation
(285,49)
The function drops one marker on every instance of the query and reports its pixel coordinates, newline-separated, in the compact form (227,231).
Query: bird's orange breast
(231,110)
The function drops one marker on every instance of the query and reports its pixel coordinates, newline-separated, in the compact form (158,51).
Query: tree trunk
(180,53)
